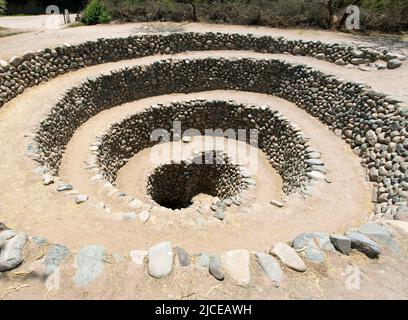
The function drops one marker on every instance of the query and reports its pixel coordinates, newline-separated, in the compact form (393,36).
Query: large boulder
(313,245)
(288,256)
(270,266)
(54,257)
(364,244)
(11,255)
(160,260)
(379,234)
(215,267)
(89,261)
(236,264)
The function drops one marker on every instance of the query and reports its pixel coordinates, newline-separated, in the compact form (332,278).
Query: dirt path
(31,24)
(42,38)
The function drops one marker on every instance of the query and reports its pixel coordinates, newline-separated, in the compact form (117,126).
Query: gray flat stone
(215,267)
(364,244)
(203,260)
(65,187)
(341,243)
(381,235)
(7,234)
(54,257)
(160,260)
(144,216)
(394,64)
(219,214)
(277,203)
(129,216)
(89,261)
(311,250)
(288,256)
(11,255)
(270,266)
(183,257)
(314,244)
(40,241)
(81,198)
(236,264)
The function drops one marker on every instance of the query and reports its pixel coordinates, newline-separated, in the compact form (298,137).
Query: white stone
(236,265)
(144,216)
(288,256)
(11,255)
(81,198)
(160,262)
(48,179)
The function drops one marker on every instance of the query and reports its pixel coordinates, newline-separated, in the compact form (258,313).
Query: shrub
(383,15)
(95,12)
(3,6)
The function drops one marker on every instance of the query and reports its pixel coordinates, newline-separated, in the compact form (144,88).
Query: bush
(3,6)
(95,12)
(382,15)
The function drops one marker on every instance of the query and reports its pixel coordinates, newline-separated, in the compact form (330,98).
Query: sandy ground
(40,37)
(32,23)
(27,205)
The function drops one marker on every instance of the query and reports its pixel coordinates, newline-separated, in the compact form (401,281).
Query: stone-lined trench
(34,68)
(283,143)
(373,124)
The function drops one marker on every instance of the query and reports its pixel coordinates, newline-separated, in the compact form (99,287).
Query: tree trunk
(194,11)
(330,9)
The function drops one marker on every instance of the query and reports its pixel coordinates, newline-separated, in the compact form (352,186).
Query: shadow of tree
(160,28)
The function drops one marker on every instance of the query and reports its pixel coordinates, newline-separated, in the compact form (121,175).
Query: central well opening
(175,185)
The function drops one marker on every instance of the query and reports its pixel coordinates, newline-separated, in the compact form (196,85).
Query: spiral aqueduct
(82,117)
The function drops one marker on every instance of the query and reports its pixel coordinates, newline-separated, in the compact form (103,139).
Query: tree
(193,4)
(3,6)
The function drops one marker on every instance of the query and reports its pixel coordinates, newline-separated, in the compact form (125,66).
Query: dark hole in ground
(175,185)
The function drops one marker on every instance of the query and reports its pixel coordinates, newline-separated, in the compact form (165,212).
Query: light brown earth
(25,204)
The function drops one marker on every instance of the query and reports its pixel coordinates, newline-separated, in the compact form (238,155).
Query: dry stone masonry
(372,123)
(283,143)
(34,68)
(174,185)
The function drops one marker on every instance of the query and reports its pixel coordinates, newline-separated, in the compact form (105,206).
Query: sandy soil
(31,23)
(340,277)
(27,205)
(40,38)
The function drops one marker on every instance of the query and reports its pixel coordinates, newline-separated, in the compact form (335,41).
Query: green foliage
(383,15)
(3,6)
(95,12)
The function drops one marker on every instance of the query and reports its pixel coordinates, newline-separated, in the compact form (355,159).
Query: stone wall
(174,185)
(283,143)
(34,68)
(373,124)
